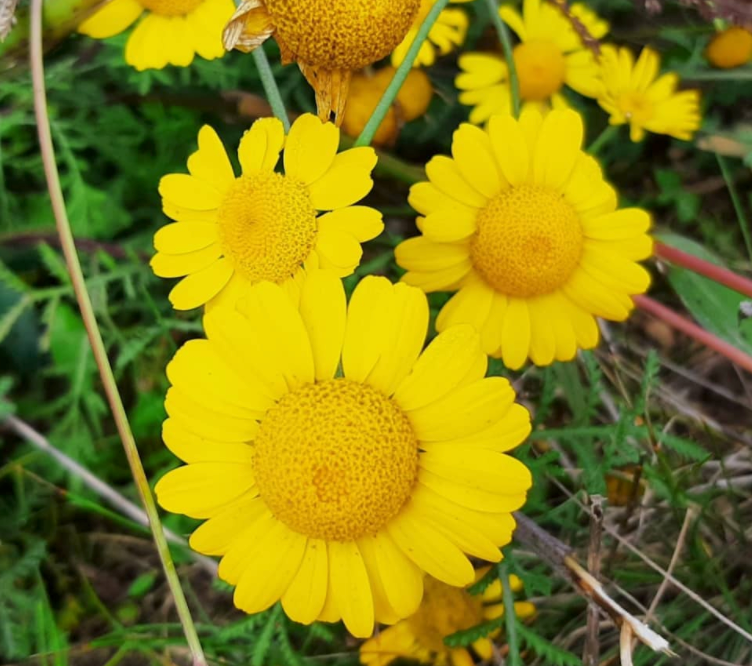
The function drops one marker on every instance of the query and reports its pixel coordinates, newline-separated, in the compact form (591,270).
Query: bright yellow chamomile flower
(329,39)
(231,232)
(171,32)
(334,462)
(447,33)
(550,55)
(730,48)
(366,90)
(634,93)
(444,611)
(521,223)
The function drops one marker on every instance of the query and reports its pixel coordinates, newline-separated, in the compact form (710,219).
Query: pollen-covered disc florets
(335,460)
(528,242)
(341,34)
(267,226)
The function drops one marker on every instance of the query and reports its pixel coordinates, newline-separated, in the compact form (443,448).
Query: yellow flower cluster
(339,465)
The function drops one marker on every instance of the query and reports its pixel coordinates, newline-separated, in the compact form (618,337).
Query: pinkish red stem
(694,331)
(717,273)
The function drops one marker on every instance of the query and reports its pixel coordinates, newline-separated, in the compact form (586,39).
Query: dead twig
(591,651)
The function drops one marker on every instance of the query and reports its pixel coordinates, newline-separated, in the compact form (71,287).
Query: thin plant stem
(270,86)
(694,331)
(95,337)
(603,139)
(390,94)
(510,617)
(716,273)
(506,45)
(737,202)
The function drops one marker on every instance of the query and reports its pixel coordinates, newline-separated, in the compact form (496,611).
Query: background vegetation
(653,424)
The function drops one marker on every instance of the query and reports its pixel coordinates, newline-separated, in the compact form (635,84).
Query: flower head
(444,611)
(329,39)
(170,32)
(634,93)
(413,100)
(551,54)
(334,462)
(730,48)
(231,232)
(448,32)
(522,225)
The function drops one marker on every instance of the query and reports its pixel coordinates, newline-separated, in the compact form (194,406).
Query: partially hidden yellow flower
(551,55)
(231,232)
(634,93)
(444,611)
(366,90)
(447,33)
(730,48)
(171,32)
(332,459)
(522,225)
(329,39)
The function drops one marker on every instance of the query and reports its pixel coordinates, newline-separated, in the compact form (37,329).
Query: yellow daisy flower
(444,611)
(329,39)
(730,48)
(636,94)
(231,232)
(551,55)
(521,223)
(171,32)
(333,461)
(447,33)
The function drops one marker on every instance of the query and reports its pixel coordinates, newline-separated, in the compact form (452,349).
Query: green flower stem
(737,202)
(270,86)
(603,139)
(95,337)
(387,99)
(506,45)
(510,617)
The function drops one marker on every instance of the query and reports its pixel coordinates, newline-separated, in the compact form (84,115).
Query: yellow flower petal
(311,148)
(346,182)
(199,490)
(112,19)
(350,588)
(559,146)
(261,145)
(383,612)
(323,309)
(401,579)
(254,532)
(217,535)
(305,596)
(619,225)
(446,176)
(189,192)
(470,305)
(469,496)
(338,251)
(429,549)
(422,255)
(270,569)
(190,447)
(473,155)
(177,265)
(515,334)
(510,148)
(184,237)
(200,287)
(192,412)
(210,162)
(361,222)
(450,224)
(452,360)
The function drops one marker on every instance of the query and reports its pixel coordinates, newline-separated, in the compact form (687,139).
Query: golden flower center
(170,7)
(443,611)
(335,460)
(636,107)
(528,242)
(341,34)
(541,69)
(267,226)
